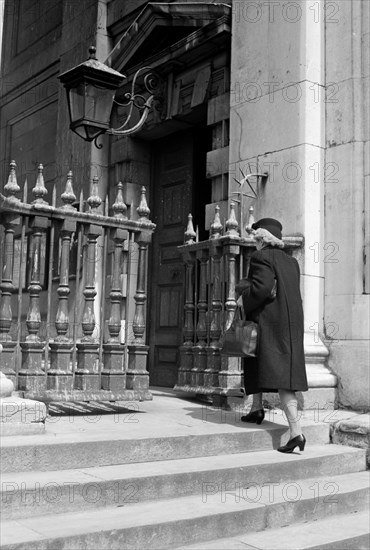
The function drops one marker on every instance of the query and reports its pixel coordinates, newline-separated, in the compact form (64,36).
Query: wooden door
(171,202)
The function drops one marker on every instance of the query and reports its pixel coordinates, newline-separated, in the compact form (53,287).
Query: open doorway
(179,187)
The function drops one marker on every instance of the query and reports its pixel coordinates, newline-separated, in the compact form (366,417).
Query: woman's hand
(242,286)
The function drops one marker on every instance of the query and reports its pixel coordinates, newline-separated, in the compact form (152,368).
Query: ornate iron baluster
(10,222)
(87,371)
(113,374)
(137,376)
(190,234)
(215,250)
(199,350)
(186,350)
(231,251)
(216,254)
(60,376)
(31,375)
(229,376)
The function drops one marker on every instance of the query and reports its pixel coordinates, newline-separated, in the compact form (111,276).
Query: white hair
(265,238)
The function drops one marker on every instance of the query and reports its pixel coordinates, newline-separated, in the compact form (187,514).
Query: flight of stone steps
(217,490)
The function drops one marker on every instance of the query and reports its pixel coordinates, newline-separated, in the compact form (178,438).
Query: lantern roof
(92,70)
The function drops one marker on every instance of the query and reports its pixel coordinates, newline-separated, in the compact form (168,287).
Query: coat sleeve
(262,277)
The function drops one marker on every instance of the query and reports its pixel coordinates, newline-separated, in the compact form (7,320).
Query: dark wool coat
(280,362)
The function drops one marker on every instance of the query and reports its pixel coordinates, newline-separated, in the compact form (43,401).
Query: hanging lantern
(91,87)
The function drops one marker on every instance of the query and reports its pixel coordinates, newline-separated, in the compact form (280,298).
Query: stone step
(25,494)
(340,532)
(174,522)
(120,445)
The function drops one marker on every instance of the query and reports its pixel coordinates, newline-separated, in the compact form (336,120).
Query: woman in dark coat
(271,297)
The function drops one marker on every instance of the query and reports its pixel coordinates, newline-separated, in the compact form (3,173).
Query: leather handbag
(241,338)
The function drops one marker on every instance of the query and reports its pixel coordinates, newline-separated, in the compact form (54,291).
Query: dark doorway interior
(179,187)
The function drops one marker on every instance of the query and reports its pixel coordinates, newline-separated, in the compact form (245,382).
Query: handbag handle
(240,309)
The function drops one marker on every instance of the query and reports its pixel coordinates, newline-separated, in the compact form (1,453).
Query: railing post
(113,374)
(213,351)
(87,371)
(32,376)
(10,222)
(216,310)
(216,255)
(137,377)
(186,350)
(59,375)
(229,376)
(231,250)
(200,348)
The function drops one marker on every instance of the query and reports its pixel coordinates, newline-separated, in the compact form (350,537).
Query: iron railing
(212,269)
(73,294)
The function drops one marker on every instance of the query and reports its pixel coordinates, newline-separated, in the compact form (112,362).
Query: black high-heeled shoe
(255,416)
(299,441)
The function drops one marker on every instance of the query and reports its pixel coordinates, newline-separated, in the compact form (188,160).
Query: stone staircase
(214,486)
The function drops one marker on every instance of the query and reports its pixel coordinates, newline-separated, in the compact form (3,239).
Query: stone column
(277,125)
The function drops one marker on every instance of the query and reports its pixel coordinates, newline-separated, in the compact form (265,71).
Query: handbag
(240,339)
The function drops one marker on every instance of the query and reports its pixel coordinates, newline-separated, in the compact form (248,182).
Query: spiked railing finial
(68,197)
(216,227)
(143,209)
(94,201)
(251,220)
(39,191)
(12,187)
(190,234)
(119,207)
(231,223)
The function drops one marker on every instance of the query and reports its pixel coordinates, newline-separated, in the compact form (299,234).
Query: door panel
(172,202)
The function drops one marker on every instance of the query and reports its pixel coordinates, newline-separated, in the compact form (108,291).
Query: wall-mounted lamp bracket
(91,88)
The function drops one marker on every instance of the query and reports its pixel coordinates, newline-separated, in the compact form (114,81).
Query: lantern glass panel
(91,103)
(77,102)
(98,104)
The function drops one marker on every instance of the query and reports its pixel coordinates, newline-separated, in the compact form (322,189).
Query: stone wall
(347,255)
(30,89)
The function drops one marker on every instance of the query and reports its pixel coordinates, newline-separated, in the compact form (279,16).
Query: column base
(114,357)
(199,366)
(59,380)
(86,381)
(230,375)
(31,377)
(60,355)
(113,381)
(31,365)
(137,377)
(86,375)
(186,364)
(213,368)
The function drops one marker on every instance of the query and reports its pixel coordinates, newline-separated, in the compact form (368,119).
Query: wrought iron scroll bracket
(153,85)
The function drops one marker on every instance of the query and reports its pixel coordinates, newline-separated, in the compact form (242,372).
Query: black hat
(271,225)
